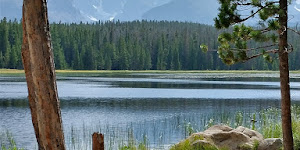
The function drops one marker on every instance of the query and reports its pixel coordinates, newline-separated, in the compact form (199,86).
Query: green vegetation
(7,142)
(186,145)
(137,45)
(83,73)
(268,123)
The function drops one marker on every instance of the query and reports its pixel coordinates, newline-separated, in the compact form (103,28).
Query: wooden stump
(98,141)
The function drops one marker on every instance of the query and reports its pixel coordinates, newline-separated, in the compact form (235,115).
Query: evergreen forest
(136,45)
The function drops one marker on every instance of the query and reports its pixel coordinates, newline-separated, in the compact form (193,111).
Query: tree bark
(38,64)
(284,79)
(98,141)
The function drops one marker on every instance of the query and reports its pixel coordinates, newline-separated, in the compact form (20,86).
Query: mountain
(124,10)
(64,11)
(58,10)
(294,13)
(202,11)
(85,10)
(134,9)
(11,9)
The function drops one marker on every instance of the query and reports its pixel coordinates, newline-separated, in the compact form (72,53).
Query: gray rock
(253,135)
(241,138)
(270,144)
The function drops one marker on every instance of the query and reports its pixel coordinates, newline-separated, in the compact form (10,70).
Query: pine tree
(160,56)
(159,41)
(124,56)
(234,47)
(108,62)
(13,59)
(1,60)
(147,63)
(76,63)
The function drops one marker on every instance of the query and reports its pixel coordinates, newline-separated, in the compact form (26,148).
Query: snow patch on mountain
(92,18)
(95,7)
(297,7)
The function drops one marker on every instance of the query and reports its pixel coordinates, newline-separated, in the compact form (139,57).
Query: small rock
(270,144)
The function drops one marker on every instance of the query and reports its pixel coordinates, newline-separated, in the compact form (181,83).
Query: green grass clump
(255,145)
(7,142)
(132,146)
(187,145)
(191,144)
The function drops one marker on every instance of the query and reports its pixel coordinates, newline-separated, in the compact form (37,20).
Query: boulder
(270,144)
(221,136)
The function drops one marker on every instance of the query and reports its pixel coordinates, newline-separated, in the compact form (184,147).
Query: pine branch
(249,3)
(291,49)
(265,30)
(256,48)
(243,4)
(253,14)
(295,31)
(274,51)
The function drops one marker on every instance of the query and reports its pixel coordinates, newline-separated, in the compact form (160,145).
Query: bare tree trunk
(284,79)
(38,64)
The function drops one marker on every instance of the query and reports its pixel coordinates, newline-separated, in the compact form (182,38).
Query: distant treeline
(137,45)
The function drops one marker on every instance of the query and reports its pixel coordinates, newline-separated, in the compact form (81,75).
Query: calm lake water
(156,108)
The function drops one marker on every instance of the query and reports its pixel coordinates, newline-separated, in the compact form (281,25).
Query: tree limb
(274,51)
(256,48)
(243,4)
(252,15)
(249,3)
(295,31)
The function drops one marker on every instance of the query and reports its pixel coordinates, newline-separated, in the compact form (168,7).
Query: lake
(154,108)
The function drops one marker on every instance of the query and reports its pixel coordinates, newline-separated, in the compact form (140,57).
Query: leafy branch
(256,12)
(228,12)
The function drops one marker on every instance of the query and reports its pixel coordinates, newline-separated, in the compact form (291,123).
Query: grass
(7,142)
(11,72)
(110,73)
(268,123)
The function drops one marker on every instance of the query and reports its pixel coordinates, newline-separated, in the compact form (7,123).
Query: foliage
(268,123)
(272,17)
(244,42)
(136,45)
(131,144)
(186,145)
(7,142)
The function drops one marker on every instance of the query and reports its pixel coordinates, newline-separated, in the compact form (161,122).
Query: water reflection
(152,106)
(155,118)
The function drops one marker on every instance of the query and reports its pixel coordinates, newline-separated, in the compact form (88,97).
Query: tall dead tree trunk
(38,64)
(284,79)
